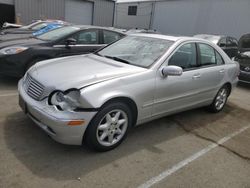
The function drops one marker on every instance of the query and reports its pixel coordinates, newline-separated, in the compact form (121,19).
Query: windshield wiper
(117,59)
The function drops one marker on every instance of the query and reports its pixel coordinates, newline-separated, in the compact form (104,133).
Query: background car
(244,58)
(132,81)
(49,27)
(227,43)
(26,31)
(10,25)
(17,56)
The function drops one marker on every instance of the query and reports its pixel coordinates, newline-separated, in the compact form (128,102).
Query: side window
(109,36)
(219,59)
(86,37)
(184,57)
(207,55)
(222,42)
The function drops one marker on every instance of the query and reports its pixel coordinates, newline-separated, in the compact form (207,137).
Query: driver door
(173,93)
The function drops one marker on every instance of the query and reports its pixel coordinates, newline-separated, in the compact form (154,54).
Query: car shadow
(8,83)
(48,159)
(243,85)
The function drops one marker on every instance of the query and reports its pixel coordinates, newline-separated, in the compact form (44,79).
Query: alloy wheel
(112,127)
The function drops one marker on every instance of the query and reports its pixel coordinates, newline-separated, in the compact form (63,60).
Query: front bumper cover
(53,121)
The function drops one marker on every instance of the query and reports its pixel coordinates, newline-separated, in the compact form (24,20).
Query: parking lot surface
(189,149)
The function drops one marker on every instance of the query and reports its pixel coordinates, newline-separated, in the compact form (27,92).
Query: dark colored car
(17,56)
(227,43)
(244,58)
(25,31)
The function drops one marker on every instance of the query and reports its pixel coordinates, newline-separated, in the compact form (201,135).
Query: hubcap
(112,127)
(221,99)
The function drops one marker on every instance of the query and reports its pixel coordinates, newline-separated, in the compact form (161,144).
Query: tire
(104,133)
(220,100)
(33,62)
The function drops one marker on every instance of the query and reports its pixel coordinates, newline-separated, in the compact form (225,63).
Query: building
(185,17)
(7,11)
(88,12)
(137,14)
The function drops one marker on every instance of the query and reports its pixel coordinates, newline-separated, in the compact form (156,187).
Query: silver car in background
(95,99)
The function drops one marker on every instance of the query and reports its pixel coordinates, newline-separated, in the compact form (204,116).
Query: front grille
(33,88)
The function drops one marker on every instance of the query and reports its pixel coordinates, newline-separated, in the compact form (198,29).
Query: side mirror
(70,41)
(171,71)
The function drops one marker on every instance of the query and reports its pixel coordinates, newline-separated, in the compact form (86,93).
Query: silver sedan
(95,99)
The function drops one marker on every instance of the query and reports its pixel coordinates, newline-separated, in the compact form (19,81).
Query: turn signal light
(76,122)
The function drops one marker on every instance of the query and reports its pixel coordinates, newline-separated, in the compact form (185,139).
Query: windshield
(137,50)
(57,33)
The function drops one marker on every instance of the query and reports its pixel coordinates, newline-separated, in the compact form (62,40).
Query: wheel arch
(229,86)
(128,101)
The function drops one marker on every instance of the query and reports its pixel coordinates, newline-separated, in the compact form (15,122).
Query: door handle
(222,71)
(196,76)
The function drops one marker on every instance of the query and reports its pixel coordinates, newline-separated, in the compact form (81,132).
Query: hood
(20,42)
(79,71)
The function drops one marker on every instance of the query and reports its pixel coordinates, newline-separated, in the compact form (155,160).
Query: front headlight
(13,50)
(65,101)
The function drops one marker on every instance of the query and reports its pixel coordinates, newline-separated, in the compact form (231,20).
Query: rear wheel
(109,127)
(220,100)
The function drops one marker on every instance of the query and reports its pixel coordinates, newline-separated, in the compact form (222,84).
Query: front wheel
(220,100)
(109,127)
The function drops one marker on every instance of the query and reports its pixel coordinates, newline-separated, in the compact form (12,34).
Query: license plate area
(22,104)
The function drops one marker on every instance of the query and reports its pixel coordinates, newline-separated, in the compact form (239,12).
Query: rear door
(212,71)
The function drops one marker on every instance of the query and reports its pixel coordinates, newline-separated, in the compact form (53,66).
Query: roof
(98,27)
(159,36)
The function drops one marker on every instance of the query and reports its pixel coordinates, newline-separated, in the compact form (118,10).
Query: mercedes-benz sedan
(95,99)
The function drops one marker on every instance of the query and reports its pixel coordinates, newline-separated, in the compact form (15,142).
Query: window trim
(176,49)
(165,62)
